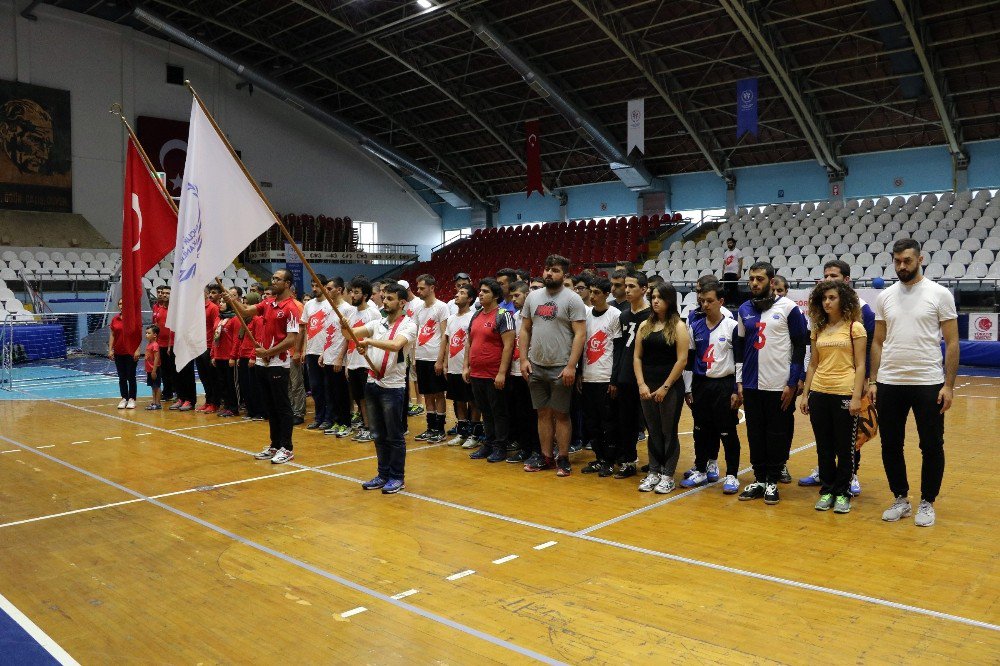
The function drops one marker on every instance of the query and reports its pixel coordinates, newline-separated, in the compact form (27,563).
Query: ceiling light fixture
(424,4)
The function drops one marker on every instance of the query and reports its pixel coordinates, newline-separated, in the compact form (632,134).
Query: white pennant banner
(637,125)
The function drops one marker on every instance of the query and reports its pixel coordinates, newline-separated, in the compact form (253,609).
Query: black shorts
(458,390)
(154,383)
(357,378)
(427,380)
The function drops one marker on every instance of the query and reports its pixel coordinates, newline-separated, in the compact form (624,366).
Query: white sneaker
(122,404)
(647,484)
(695,480)
(925,514)
(855,488)
(689,472)
(900,509)
(282,456)
(130,404)
(456,440)
(471,443)
(665,485)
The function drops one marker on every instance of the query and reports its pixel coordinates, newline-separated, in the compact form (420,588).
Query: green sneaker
(843,504)
(825,502)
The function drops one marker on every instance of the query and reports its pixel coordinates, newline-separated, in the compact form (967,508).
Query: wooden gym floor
(152,537)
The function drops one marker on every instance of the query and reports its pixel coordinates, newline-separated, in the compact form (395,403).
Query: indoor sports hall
(449,138)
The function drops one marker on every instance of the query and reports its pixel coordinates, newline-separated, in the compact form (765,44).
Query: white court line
(543,546)
(460,574)
(107,438)
(141,434)
(345,582)
(11,451)
(504,560)
(211,425)
(984,397)
(673,498)
(46,446)
(353,611)
(403,595)
(82,441)
(586,537)
(40,636)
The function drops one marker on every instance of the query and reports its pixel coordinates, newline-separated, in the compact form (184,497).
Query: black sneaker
(563,468)
(606,470)
(422,436)
(785,476)
(576,447)
(298,420)
(625,470)
(751,492)
(434,436)
(644,469)
(313,425)
(593,467)
(482,452)
(518,457)
(499,454)
(771,494)
(589,445)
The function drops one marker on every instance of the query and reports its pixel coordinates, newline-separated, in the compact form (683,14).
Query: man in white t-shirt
(431,318)
(603,327)
(334,360)
(459,280)
(388,340)
(459,392)
(911,317)
(313,320)
(412,305)
(732,269)
(357,367)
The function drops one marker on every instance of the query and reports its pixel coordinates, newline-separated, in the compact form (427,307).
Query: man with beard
(911,317)
(773,333)
(459,280)
(333,359)
(357,368)
(314,314)
(431,348)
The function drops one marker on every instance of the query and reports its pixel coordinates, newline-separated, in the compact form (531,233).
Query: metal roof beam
(936,84)
(764,43)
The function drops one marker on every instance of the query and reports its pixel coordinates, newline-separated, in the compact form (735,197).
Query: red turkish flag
(149,231)
(533,157)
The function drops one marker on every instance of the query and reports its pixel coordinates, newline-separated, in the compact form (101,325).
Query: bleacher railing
(367,253)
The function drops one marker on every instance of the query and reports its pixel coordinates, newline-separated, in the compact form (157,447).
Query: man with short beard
(618,299)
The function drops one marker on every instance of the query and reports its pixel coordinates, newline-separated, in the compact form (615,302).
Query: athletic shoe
(730,485)
(666,485)
(900,509)
(266,454)
(437,436)
(641,437)
(282,456)
(226,413)
(843,504)
(315,425)
(364,435)
(695,480)
(298,420)
(176,406)
(393,486)
(576,447)
(855,489)
(253,418)
(130,404)
(122,404)
(152,408)
(344,431)
(186,406)
(751,492)
(203,408)
(625,470)
(499,454)
(771,494)
(374,484)
(647,484)
(811,480)
(785,476)
(482,453)
(689,472)
(518,457)
(563,468)
(925,514)
(825,502)
(325,425)
(606,470)
(211,409)
(593,467)
(414,410)
(422,436)
(588,445)
(471,443)
(456,440)
(713,471)
(644,469)
(453,430)
(539,464)
(355,418)
(533,460)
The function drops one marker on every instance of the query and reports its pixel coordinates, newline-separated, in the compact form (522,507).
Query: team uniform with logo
(485,355)
(431,321)
(357,367)
(279,319)
(456,331)
(335,356)
(314,315)
(603,328)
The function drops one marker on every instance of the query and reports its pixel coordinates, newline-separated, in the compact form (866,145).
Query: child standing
(153,379)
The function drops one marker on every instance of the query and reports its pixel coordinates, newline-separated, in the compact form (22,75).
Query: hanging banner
(636,125)
(533,157)
(746,107)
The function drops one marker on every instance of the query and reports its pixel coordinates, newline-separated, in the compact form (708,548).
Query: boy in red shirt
(153,366)
(225,346)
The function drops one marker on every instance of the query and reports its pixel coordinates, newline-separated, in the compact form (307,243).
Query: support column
(960,172)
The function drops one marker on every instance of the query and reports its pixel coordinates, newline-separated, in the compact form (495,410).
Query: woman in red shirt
(125,360)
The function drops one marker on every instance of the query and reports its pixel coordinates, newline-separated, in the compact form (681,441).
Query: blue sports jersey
(713,348)
(774,344)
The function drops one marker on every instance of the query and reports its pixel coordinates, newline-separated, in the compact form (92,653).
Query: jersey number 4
(761,338)
(708,358)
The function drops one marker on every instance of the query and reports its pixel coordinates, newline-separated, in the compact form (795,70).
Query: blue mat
(17,647)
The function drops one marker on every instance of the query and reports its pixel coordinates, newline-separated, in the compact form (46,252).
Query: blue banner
(746,107)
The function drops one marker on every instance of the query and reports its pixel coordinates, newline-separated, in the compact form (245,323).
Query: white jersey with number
(713,348)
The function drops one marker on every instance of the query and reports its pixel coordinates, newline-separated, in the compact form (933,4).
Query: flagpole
(116,109)
(344,324)
(243,324)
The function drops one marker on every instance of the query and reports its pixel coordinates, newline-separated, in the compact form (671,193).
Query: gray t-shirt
(552,317)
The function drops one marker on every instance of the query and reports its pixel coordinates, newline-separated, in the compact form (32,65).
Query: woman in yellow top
(835,383)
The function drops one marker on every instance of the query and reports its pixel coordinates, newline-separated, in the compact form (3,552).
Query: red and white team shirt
(279,319)
(361,317)
(598,351)
(430,320)
(314,315)
(334,342)
(457,332)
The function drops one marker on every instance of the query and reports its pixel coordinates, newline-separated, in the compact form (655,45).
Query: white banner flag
(637,125)
(220,214)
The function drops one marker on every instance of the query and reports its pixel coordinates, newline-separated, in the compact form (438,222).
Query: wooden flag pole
(116,109)
(344,324)
(243,324)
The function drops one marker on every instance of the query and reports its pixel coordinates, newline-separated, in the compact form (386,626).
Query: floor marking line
(82,441)
(210,425)
(353,611)
(586,537)
(357,587)
(504,560)
(460,574)
(116,437)
(12,451)
(674,498)
(46,446)
(35,632)
(142,434)
(403,595)
(543,546)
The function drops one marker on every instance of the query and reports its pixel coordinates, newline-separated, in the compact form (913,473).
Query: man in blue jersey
(716,367)
(773,334)
(836,269)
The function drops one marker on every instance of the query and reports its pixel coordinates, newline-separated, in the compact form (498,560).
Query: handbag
(867,423)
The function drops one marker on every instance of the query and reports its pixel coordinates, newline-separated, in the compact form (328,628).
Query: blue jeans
(317,384)
(386,410)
